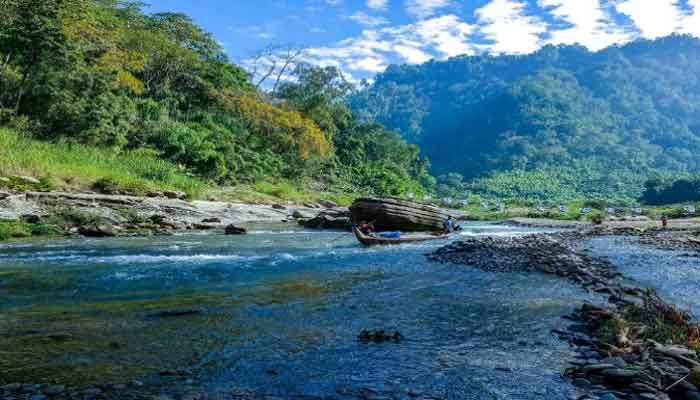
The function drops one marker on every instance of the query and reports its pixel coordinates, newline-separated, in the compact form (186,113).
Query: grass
(16,229)
(77,167)
(279,192)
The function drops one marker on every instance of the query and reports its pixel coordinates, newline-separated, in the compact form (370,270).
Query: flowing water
(278,312)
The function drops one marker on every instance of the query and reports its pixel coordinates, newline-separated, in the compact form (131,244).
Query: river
(277,313)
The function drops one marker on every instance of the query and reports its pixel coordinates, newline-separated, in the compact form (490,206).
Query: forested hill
(103,73)
(603,120)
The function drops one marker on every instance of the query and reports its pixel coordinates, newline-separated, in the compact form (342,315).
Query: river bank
(97,215)
(634,346)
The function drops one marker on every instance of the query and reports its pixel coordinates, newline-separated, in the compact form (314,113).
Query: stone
(174,194)
(616,361)
(235,230)
(691,395)
(694,377)
(31,218)
(278,207)
(54,390)
(328,203)
(98,230)
(26,179)
(154,194)
(4,195)
(326,222)
(213,220)
(12,387)
(300,214)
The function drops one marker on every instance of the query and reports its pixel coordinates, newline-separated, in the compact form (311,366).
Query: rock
(54,390)
(393,214)
(616,361)
(328,203)
(174,194)
(278,207)
(98,230)
(300,214)
(31,218)
(326,222)
(691,395)
(205,227)
(12,387)
(155,194)
(694,377)
(26,179)
(4,195)
(211,221)
(234,230)
(619,375)
(608,396)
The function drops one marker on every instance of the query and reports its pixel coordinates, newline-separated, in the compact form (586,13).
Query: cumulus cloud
(365,19)
(691,22)
(588,24)
(510,29)
(422,9)
(655,18)
(378,4)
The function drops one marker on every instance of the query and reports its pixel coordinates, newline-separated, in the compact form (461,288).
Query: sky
(363,37)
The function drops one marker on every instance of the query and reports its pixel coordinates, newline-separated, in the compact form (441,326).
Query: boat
(406,238)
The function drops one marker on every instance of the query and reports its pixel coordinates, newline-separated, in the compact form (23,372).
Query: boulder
(174,194)
(325,221)
(4,195)
(31,218)
(394,214)
(235,230)
(328,203)
(278,207)
(301,214)
(98,230)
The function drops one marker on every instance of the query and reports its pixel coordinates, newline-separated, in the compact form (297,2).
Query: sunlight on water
(288,301)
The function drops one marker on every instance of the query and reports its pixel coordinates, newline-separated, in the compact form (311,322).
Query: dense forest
(560,123)
(104,73)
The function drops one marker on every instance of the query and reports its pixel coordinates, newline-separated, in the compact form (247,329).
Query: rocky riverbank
(97,215)
(634,346)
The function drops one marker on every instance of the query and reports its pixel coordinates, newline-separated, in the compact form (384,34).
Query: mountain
(597,122)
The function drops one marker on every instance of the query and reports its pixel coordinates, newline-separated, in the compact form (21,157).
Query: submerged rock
(234,230)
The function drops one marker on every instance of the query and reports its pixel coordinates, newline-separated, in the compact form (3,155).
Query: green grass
(15,229)
(279,192)
(77,167)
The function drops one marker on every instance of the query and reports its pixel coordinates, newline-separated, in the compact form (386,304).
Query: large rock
(235,230)
(98,230)
(395,214)
(325,221)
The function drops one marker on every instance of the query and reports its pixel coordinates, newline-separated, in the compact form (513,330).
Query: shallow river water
(278,313)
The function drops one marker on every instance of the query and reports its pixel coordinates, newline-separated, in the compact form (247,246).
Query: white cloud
(422,9)
(334,2)
(512,31)
(691,22)
(378,4)
(589,24)
(412,54)
(367,20)
(653,18)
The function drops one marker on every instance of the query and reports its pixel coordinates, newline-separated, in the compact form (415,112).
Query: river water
(277,312)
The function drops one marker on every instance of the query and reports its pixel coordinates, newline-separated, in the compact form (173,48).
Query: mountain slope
(612,117)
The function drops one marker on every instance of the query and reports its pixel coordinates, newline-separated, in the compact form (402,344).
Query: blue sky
(364,36)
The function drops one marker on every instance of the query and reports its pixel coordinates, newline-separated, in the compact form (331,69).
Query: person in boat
(367,228)
(448,225)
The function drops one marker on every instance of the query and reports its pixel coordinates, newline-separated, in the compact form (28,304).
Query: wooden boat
(407,238)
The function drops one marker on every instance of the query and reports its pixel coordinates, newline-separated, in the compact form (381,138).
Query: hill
(560,123)
(106,75)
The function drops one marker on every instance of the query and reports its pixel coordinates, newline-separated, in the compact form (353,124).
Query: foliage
(558,124)
(17,229)
(104,73)
(671,189)
(75,166)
